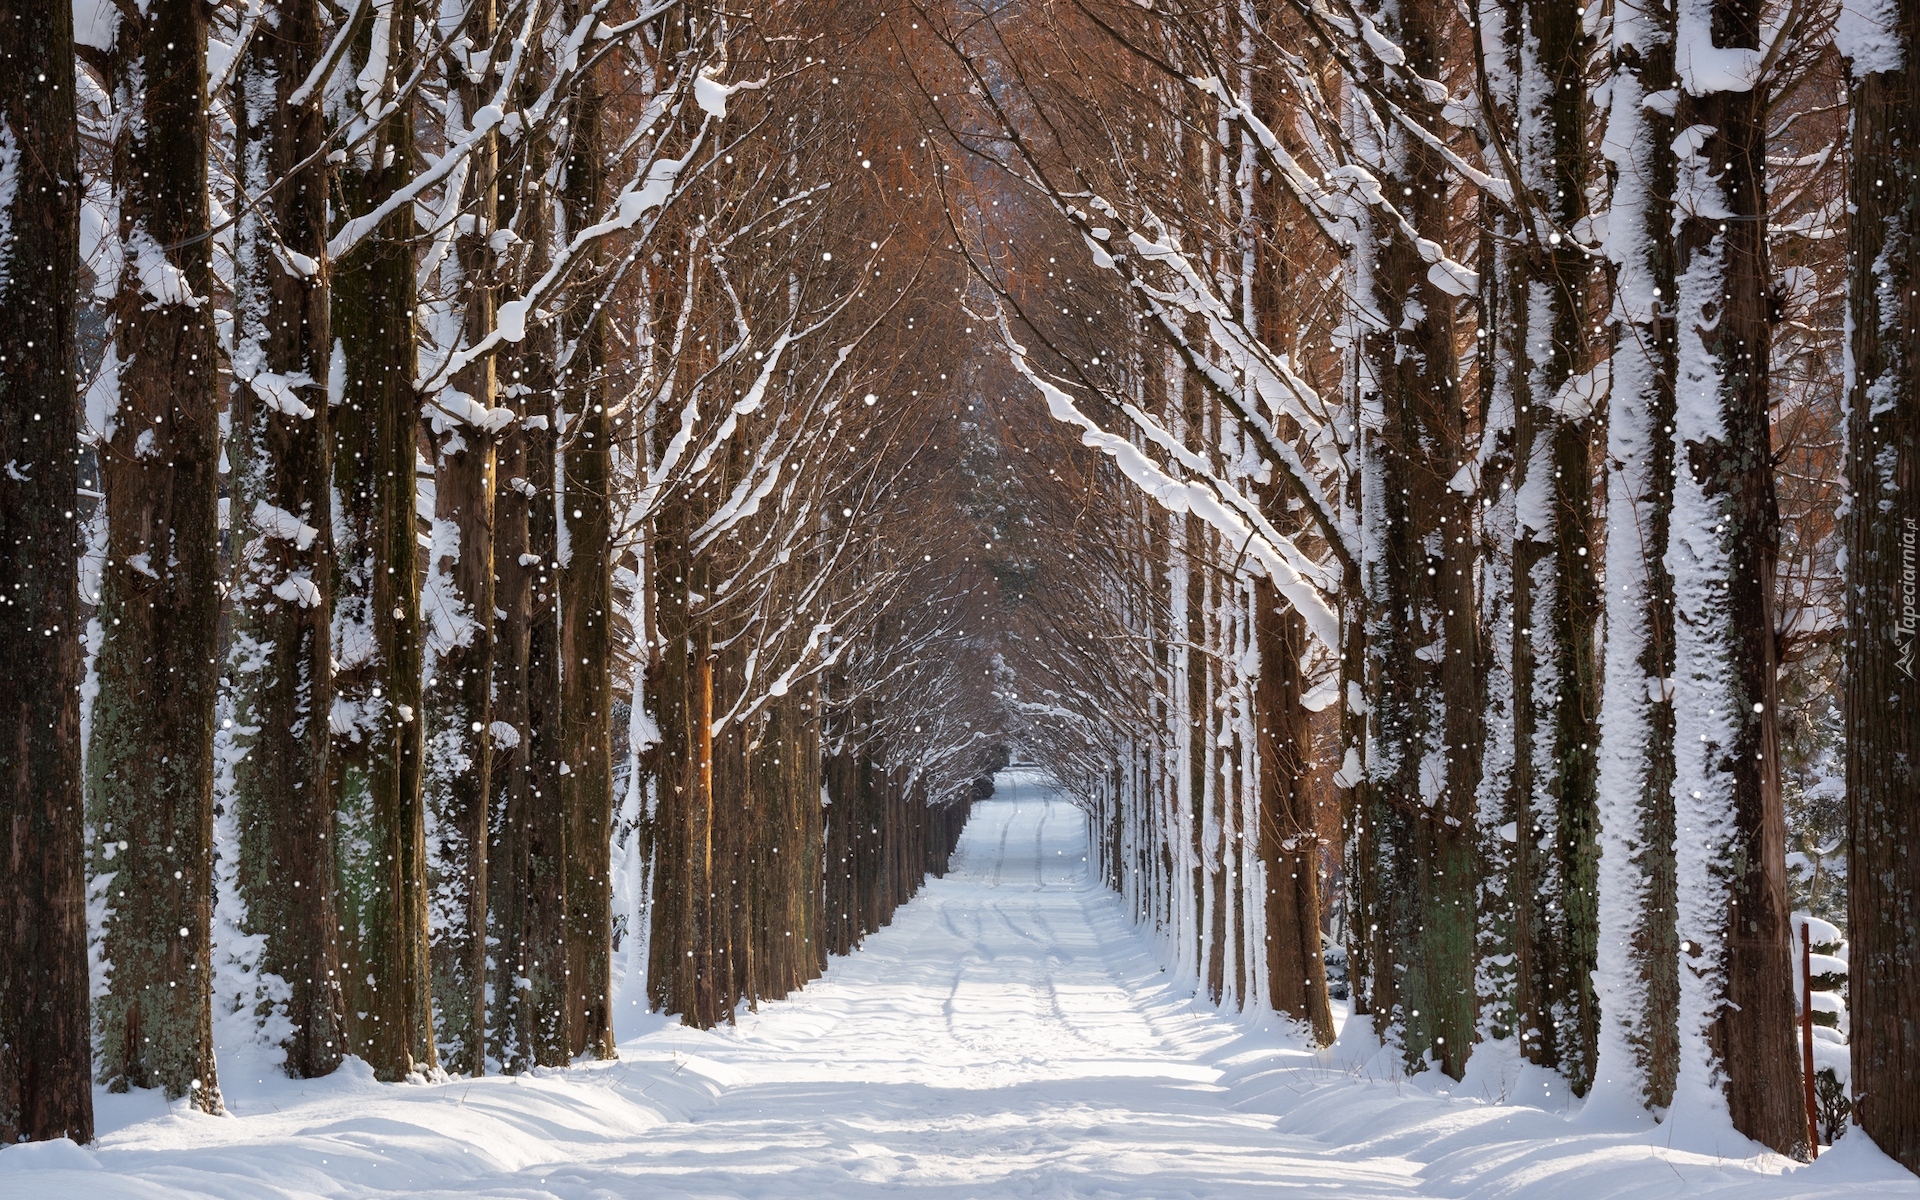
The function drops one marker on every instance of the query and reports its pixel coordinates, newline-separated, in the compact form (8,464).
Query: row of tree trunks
(944,825)
(422,735)
(739,912)
(841,857)
(881,839)
(342,913)
(772,854)
(787,822)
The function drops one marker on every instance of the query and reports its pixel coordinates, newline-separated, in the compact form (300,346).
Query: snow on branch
(1182,496)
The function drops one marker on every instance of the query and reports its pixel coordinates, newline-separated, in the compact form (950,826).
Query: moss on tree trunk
(150,761)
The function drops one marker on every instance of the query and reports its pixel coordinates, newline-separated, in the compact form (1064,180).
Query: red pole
(1806,1037)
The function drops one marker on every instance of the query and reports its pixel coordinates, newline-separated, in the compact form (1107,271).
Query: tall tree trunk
(1556,598)
(672,678)
(378,637)
(526,878)
(510,1017)
(1424,629)
(710,951)
(837,774)
(464,424)
(586,617)
(1502,378)
(548,832)
(150,762)
(1289,842)
(1359,833)
(1883,587)
(1736,976)
(45,1045)
(814,866)
(1638,980)
(1287,838)
(281,655)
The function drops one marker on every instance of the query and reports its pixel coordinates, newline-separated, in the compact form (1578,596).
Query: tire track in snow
(1000,859)
(1039,846)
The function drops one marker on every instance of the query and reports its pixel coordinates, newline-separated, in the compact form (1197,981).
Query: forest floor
(1010,1035)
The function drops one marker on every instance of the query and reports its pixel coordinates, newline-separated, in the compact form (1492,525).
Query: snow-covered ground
(1010,1035)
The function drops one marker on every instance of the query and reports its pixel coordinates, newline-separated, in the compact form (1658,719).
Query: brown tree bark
(377,596)
(509,843)
(460,606)
(547,827)
(281,652)
(680,678)
(1640,956)
(45,1046)
(150,759)
(1288,837)
(1753,1034)
(1883,609)
(1289,842)
(1428,709)
(586,617)
(527,852)
(1556,598)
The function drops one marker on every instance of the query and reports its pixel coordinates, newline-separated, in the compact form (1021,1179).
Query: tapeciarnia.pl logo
(1909,610)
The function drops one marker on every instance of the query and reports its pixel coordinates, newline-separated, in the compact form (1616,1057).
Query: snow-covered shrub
(1334,952)
(1831,1057)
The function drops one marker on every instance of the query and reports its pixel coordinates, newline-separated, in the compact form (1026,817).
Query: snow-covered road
(1010,1035)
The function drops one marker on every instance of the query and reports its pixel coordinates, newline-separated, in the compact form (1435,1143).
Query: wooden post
(1806,1038)
(707,928)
